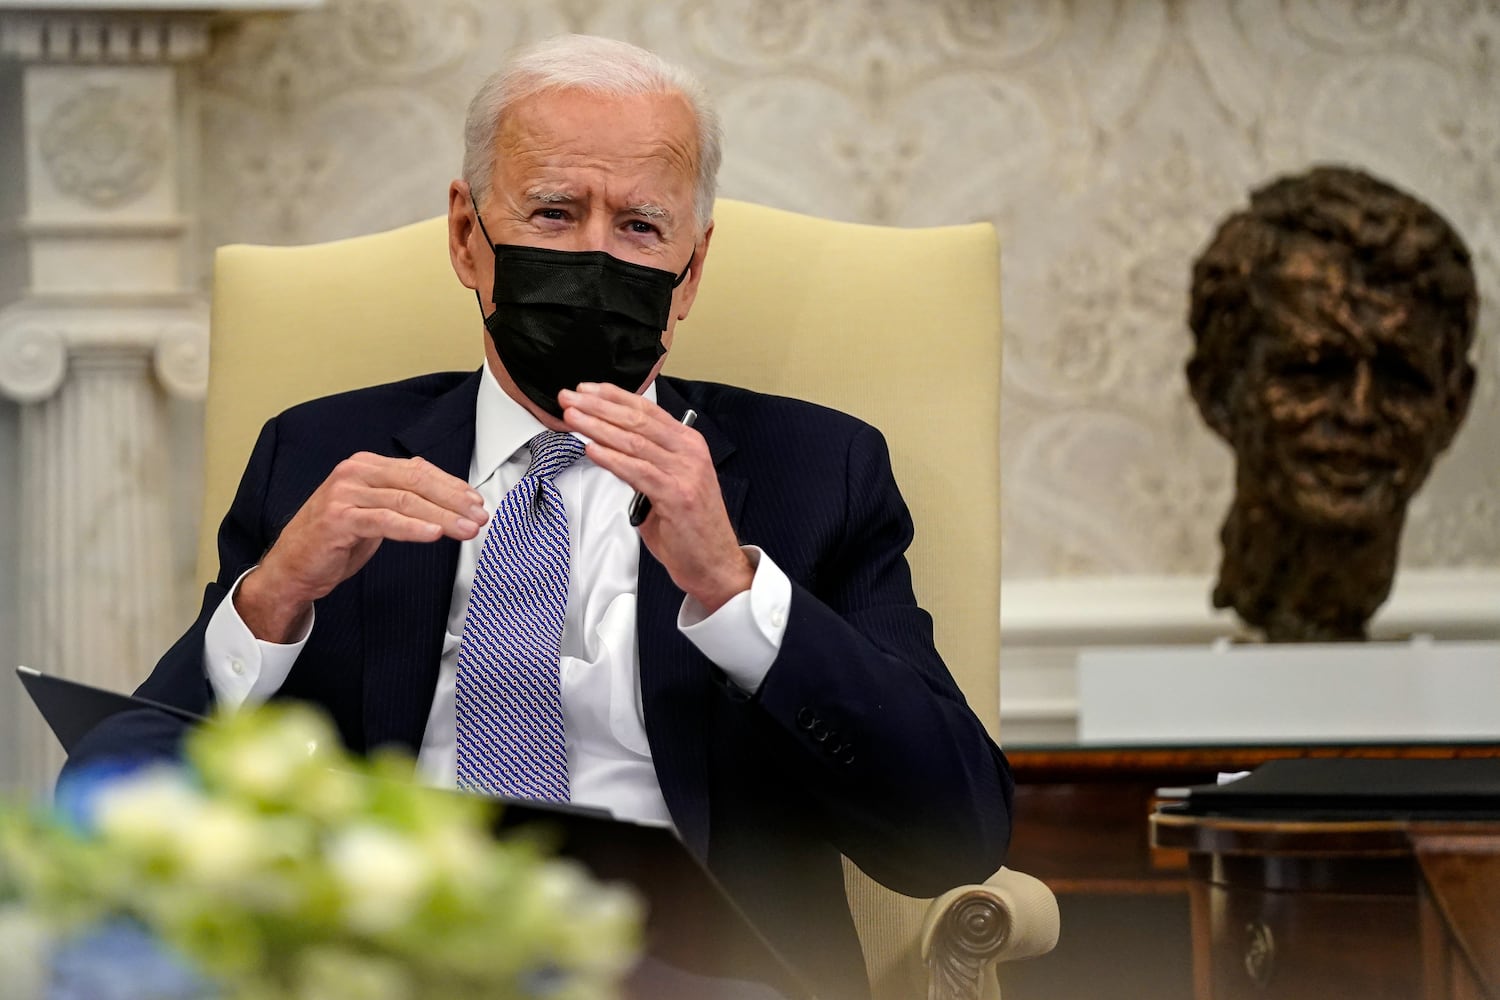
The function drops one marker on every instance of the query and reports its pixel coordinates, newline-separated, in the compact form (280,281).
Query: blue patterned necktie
(507,693)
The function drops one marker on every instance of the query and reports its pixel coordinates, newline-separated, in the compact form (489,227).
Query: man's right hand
(365,500)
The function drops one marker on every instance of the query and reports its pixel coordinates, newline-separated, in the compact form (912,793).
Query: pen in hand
(640,504)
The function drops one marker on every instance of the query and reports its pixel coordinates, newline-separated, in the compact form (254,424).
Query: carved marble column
(108,326)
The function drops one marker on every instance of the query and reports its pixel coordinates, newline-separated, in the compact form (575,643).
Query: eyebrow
(550,196)
(649,210)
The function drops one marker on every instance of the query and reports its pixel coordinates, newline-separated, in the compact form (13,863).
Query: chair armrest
(969,929)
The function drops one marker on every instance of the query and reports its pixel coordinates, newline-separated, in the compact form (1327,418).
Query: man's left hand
(688,530)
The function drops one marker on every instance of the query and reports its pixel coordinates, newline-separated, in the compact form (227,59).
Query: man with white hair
(447,563)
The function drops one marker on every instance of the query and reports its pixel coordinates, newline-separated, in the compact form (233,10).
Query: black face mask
(563,317)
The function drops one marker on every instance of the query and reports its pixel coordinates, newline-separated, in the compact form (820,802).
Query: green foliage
(283,867)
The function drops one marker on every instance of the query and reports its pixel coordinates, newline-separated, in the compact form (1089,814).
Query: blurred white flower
(329,793)
(263,770)
(458,853)
(148,809)
(271,871)
(223,846)
(383,876)
(562,884)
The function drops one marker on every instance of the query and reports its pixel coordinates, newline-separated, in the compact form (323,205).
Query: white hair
(596,65)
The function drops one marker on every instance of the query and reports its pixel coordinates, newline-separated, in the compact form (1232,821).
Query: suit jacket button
(805,718)
(820,731)
(846,754)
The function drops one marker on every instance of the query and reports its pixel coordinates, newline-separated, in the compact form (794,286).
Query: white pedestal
(1348,692)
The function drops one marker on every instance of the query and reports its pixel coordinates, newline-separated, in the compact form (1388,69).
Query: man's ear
(689,291)
(461,227)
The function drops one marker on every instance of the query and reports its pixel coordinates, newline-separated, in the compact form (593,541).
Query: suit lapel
(677,680)
(408,586)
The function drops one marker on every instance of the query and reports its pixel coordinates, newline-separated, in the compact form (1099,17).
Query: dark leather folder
(72,709)
(1352,788)
(699,945)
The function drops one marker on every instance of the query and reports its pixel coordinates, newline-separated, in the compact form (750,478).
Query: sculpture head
(1332,322)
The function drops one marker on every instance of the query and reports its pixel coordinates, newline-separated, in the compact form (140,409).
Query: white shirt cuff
(240,668)
(743,637)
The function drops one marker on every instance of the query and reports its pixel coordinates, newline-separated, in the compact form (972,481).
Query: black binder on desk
(699,945)
(1354,788)
(72,709)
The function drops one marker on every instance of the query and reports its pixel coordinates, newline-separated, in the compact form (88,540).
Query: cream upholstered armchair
(899,327)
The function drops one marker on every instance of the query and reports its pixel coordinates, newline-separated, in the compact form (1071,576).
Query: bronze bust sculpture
(1332,322)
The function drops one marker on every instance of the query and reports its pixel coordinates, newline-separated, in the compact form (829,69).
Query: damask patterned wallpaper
(1104,138)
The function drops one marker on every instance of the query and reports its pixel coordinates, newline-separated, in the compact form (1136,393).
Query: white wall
(1105,140)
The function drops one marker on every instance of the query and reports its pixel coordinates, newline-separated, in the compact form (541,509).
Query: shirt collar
(503,426)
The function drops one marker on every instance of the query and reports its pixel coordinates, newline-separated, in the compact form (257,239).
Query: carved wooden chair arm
(971,928)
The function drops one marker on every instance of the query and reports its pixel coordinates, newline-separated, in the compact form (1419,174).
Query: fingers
(396,506)
(420,478)
(631,426)
(689,531)
(403,499)
(366,500)
(384,523)
(642,444)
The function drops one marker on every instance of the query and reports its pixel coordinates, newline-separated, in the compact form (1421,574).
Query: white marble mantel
(107,328)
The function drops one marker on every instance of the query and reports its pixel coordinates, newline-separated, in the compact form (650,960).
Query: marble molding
(109,327)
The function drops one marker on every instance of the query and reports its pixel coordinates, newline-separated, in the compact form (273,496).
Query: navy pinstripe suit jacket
(859,742)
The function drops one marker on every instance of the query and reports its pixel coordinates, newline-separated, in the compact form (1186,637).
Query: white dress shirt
(609,760)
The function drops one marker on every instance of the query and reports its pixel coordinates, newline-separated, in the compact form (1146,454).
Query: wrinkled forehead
(651,134)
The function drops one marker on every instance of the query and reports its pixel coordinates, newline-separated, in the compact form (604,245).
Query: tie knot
(552,452)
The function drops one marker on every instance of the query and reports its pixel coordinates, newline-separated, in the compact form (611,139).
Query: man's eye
(555,214)
(640,227)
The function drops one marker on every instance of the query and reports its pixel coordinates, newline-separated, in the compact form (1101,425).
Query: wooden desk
(1378,910)
(1459,914)
(1082,826)
(1082,813)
